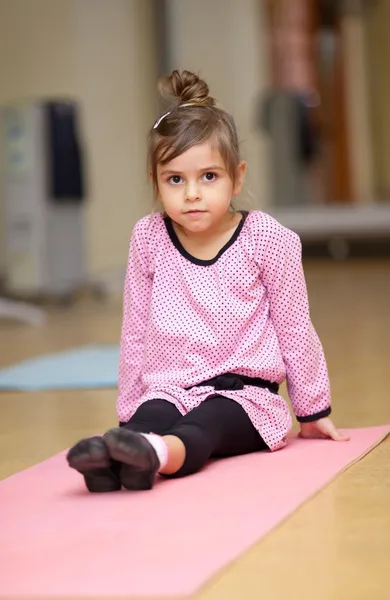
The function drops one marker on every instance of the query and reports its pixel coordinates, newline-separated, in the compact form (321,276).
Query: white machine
(42,203)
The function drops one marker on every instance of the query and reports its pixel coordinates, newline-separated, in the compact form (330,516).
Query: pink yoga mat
(56,539)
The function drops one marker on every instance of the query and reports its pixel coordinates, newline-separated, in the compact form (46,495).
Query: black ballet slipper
(91,458)
(138,457)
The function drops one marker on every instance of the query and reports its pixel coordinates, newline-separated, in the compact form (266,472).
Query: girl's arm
(303,355)
(136,303)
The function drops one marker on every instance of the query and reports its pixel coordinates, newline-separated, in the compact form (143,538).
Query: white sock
(159,446)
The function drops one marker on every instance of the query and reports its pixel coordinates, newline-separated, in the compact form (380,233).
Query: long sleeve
(136,301)
(307,375)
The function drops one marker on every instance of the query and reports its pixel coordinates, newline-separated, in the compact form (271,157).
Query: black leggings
(218,427)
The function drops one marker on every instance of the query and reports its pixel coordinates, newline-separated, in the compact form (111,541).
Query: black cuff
(311,418)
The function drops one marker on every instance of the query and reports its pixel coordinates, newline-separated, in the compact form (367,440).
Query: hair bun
(184,86)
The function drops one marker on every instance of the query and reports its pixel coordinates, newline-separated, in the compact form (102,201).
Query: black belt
(232,381)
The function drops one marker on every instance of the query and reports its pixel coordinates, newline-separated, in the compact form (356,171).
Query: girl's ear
(240,177)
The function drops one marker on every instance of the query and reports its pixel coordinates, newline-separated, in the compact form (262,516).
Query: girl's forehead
(198,157)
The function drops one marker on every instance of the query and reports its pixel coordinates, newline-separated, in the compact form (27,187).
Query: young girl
(215,316)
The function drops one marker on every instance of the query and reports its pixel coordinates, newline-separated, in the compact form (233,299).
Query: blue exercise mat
(81,368)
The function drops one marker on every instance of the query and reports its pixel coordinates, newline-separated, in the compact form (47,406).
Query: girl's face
(196,190)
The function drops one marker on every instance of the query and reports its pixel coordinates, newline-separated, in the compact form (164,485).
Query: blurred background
(306,80)
(308,84)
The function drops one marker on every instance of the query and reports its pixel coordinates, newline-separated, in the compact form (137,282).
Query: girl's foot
(138,457)
(91,458)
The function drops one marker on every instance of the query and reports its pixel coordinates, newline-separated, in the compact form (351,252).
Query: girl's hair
(193,118)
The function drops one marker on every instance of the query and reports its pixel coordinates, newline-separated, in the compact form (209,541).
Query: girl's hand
(323,428)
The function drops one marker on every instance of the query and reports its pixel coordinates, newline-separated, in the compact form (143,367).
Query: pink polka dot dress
(246,311)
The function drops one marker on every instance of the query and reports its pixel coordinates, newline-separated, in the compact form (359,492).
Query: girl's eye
(209,176)
(175,179)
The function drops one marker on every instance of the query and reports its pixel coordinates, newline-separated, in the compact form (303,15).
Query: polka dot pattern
(247,312)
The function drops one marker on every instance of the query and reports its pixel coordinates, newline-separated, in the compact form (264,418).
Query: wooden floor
(337,546)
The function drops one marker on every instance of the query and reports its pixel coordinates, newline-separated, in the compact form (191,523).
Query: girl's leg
(153,416)
(91,457)
(219,427)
